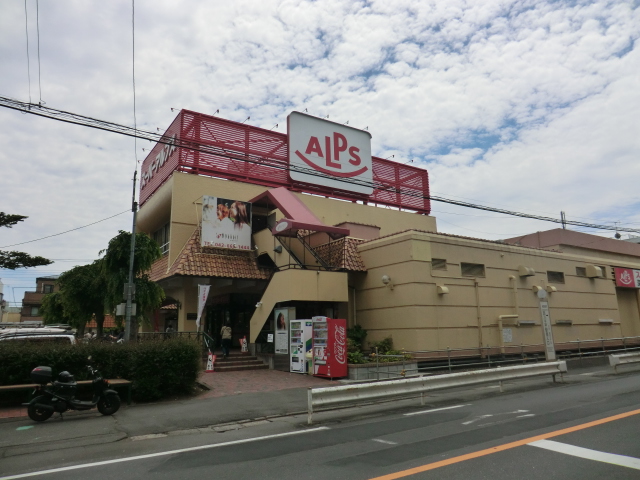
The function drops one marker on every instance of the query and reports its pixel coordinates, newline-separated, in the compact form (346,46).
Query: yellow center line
(500,448)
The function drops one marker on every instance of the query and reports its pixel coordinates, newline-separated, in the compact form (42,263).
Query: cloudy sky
(523,105)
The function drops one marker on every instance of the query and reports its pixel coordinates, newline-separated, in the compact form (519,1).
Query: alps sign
(627,277)
(329,154)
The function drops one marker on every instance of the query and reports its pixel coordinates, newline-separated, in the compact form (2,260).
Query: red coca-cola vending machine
(329,347)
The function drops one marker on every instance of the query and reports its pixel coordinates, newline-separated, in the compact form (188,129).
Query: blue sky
(523,105)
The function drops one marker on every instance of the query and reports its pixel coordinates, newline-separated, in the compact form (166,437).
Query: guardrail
(488,356)
(351,394)
(624,359)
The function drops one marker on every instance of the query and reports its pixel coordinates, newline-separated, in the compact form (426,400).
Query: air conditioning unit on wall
(525,271)
(594,272)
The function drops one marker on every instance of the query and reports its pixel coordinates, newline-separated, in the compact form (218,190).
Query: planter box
(387,371)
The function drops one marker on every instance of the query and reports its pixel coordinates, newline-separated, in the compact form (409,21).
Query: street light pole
(129,288)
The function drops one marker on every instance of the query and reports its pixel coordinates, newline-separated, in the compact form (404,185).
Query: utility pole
(564,220)
(129,288)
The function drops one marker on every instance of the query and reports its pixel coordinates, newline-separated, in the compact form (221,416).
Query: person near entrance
(225,332)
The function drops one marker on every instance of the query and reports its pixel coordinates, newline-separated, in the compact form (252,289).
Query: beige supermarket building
(334,231)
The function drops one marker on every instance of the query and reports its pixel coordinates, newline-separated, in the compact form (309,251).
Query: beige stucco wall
(180,200)
(417,318)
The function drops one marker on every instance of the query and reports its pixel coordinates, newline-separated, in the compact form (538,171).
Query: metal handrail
(516,354)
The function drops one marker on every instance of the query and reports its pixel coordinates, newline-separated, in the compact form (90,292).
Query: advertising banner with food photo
(225,223)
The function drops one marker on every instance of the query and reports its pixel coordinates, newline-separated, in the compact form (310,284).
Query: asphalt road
(584,430)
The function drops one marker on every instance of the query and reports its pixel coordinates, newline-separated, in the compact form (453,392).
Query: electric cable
(67,231)
(38,30)
(193,145)
(26,31)
(133,76)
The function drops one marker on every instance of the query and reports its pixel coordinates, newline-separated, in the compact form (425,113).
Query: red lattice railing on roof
(221,148)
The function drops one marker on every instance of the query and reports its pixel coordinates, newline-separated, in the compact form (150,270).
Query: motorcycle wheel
(35,413)
(109,405)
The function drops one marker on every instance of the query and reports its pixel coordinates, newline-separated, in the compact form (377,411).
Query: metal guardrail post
(309,406)
(579,352)
(624,344)
(377,364)
(522,353)
(449,358)
(489,355)
(602,341)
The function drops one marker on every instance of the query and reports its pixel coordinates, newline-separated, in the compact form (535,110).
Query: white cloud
(528,105)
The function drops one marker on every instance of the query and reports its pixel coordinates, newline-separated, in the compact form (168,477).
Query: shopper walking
(225,332)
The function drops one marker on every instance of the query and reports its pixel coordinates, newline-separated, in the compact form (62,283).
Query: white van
(40,335)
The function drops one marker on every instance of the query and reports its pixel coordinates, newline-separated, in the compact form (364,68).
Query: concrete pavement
(235,399)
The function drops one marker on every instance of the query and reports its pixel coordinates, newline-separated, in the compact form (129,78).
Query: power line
(77,119)
(26,31)
(133,76)
(38,30)
(62,233)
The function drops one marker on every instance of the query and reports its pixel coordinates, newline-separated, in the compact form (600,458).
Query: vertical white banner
(550,349)
(203,293)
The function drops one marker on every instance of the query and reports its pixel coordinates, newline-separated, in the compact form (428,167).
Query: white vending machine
(300,341)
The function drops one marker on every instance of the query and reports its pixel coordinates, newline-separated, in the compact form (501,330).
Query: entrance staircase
(237,361)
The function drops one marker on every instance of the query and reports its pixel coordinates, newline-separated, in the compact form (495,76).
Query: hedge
(157,369)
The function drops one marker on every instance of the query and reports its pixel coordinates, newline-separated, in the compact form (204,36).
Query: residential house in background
(32,301)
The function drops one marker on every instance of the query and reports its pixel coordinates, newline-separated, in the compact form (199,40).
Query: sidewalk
(227,384)
(254,381)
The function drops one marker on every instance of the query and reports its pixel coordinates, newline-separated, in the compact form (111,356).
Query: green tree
(52,309)
(149,295)
(81,296)
(14,260)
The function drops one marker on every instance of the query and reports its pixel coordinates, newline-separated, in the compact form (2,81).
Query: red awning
(297,214)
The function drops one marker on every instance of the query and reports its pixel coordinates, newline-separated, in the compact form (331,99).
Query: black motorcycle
(59,395)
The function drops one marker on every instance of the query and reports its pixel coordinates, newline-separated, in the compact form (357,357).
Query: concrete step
(225,369)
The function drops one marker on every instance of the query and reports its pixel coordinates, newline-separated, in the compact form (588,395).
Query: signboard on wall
(329,154)
(225,223)
(627,277)
(282,330)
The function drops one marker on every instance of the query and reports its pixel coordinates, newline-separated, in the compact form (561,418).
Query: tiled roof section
(342,254)
(159,269)
(198,261)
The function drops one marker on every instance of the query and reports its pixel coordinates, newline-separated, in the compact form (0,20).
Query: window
(581,271)
(472,269)
(47,288)
(555,277)
(161,236)
(34,311)
(438,264)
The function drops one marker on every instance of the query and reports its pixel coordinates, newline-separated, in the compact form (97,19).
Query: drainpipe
(479,316)
(355,319)
(500,318)
(512,279)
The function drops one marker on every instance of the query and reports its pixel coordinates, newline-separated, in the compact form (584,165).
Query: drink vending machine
(329,347)
(300,342)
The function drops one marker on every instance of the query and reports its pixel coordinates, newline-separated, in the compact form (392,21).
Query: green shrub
(356,357)
(356,337)
(158,369)
(383,346)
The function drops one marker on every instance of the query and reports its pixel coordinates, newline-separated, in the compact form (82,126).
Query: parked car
(38,335)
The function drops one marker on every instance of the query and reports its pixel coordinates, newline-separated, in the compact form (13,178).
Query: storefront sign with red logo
(627,277)
(329,154)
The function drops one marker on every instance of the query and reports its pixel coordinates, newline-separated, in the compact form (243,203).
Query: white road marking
(160,454)
(621,460)
(476,419)
(434,410)
(482,417)
(527,415)
(388,442)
